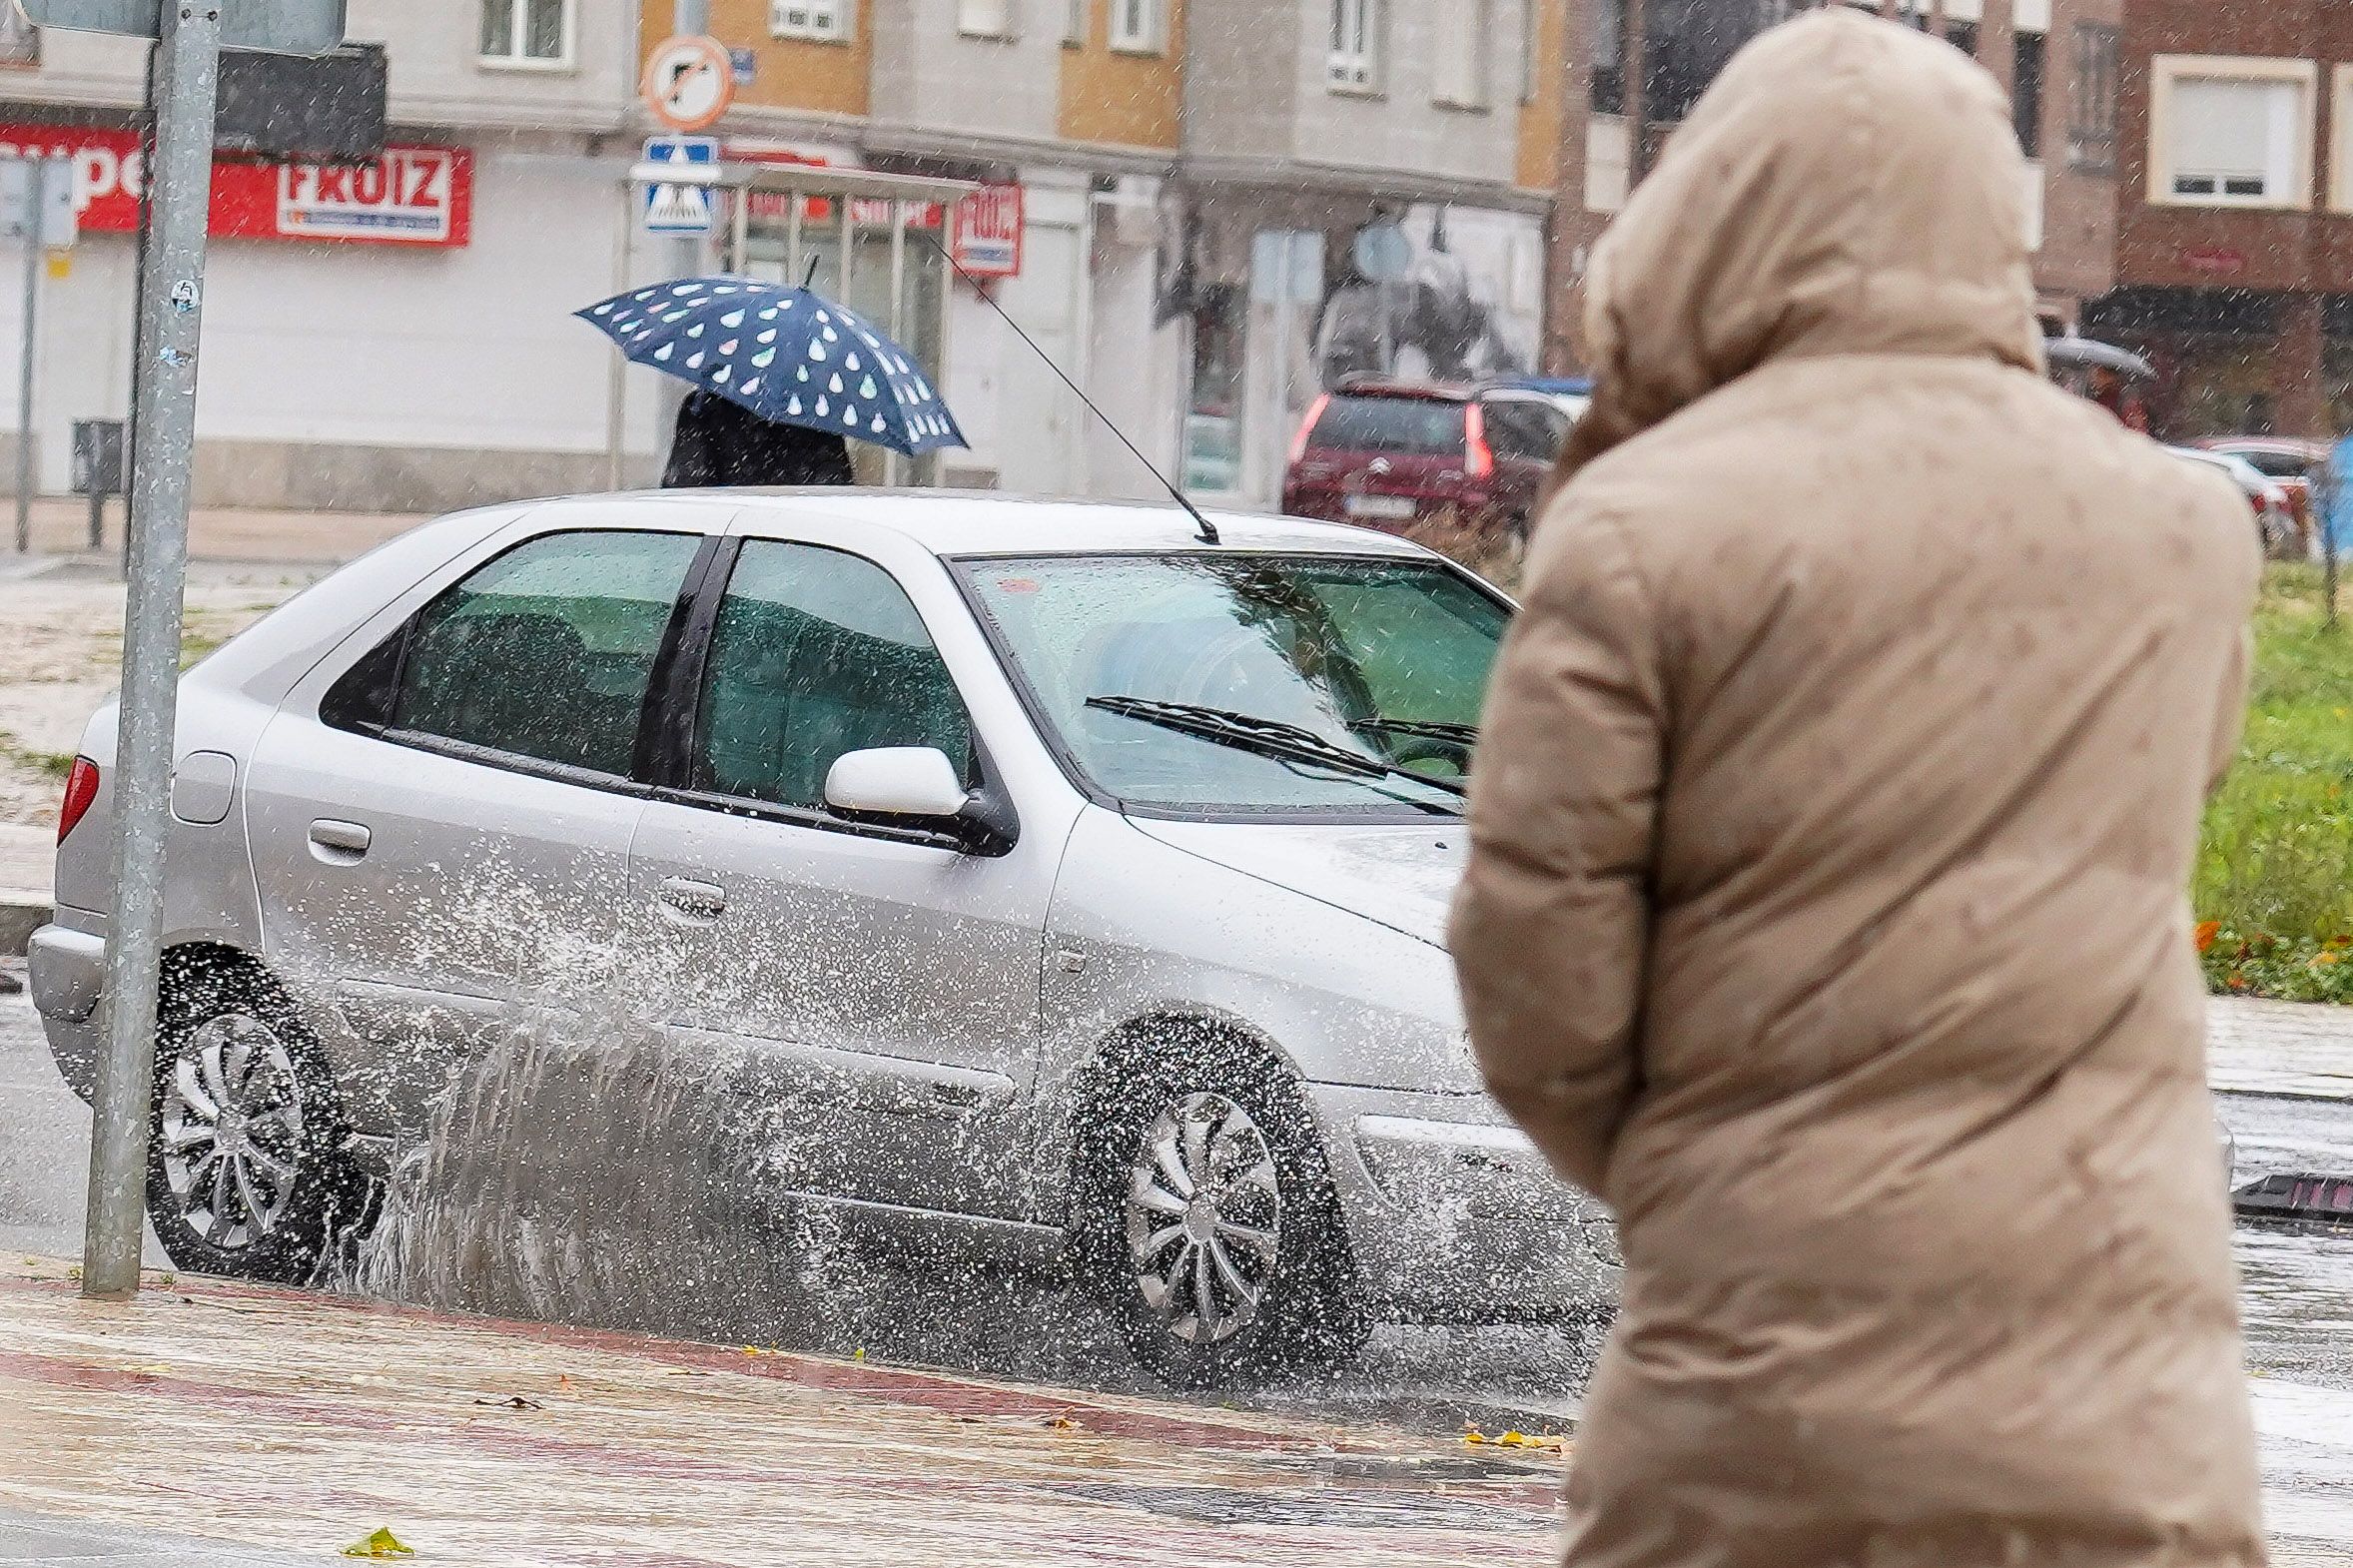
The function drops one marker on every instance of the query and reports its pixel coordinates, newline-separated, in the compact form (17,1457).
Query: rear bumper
(1456,1220)
(68,975)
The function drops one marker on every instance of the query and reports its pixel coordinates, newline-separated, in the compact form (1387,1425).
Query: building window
(2092,122)
(2025,92)
(2226,133)
(1609,66)
(985,18)
(532,33)
(1138,26)
(1075,22)
(20,40)
(827,21)
(1962,36)
(1462,71)
(1355,46)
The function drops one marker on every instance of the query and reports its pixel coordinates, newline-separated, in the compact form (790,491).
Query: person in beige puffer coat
(1830,825)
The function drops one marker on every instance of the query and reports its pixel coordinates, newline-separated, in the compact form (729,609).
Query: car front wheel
(243,1175)
(1206,1223)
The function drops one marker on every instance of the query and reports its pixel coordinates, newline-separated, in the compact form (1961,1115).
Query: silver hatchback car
(1066,882)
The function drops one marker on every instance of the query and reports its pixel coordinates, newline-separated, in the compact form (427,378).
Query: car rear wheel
(244,1176)
(1204,1220)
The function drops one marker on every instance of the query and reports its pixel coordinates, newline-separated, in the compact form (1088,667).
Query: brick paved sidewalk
(299,1424)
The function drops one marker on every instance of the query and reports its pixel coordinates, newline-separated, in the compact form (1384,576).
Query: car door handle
(336,842)
(684,898)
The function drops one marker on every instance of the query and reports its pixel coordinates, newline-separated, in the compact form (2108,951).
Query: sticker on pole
(684,207)
(689,82)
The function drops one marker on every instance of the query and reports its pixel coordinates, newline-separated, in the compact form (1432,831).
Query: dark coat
(721,443)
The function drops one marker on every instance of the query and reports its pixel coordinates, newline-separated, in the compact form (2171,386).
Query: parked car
(1572,395)
(2286,460)
(1098,872)
(1390,455)
(2275,518)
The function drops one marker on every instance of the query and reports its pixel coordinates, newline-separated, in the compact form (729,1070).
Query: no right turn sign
(689,82)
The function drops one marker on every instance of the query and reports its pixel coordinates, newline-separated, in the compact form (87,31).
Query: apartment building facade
(2235,243)
(1226,204)
(389,336)
(2059,60)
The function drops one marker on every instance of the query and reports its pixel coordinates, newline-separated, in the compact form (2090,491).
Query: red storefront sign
(989,232)
(2215,260)
(409,196)
(866,212)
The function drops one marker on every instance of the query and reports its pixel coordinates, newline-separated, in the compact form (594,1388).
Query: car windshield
(1228,683)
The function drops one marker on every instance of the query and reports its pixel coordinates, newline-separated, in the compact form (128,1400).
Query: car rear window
(1425,426)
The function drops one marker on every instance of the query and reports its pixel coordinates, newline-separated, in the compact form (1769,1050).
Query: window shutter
(2228,132)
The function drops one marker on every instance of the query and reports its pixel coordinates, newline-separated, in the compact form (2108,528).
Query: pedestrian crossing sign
(684,207)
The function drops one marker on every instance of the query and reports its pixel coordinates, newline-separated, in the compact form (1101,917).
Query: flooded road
(892,1306)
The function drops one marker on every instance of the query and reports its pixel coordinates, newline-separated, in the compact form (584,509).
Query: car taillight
(1482,456)
(1307,425)
(81,788)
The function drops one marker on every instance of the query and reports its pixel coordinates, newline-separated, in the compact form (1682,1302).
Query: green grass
(2274,880)
(56,764)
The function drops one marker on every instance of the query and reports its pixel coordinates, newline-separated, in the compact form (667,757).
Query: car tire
(245,1171)
(1197,1166)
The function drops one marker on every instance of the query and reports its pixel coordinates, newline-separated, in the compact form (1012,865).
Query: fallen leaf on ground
(380,1543)
(1062,1423)
(514,1402)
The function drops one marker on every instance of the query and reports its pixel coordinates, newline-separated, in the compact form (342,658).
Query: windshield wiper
(1268,737)
(1419,729)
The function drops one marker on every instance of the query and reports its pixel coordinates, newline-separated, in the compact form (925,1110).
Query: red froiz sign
(989,232)
(409,196)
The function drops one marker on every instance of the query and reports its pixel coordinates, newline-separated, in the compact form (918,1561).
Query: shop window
(825,21)
(2025,92)
(1355,62)
(2230,133)
(1139,26)
(985,18)
(1461,75)
(2092,121)
(527,33)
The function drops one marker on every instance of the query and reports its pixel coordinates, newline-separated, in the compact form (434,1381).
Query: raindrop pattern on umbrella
(785,353)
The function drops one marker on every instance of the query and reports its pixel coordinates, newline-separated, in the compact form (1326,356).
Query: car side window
(546,652)
(817,653)
(1527,432)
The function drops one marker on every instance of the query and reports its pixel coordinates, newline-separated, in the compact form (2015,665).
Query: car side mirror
(916,786)
(896,781)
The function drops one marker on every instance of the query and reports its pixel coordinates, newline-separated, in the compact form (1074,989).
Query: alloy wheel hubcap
(1205,1219)
(232,1130)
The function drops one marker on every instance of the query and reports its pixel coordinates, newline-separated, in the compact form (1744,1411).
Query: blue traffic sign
(684,207)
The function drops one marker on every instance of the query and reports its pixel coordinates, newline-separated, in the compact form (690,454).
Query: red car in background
(1390,455)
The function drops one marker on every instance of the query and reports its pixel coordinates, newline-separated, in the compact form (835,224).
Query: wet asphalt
(2298,1293)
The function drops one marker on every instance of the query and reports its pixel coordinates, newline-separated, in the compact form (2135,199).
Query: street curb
(21,914)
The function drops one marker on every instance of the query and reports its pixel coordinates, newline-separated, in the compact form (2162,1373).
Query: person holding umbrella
(722,443)
(783,379)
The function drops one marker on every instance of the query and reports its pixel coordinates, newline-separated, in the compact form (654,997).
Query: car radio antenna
(1207,530)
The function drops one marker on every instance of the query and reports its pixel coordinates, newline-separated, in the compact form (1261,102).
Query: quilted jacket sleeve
(1551,931)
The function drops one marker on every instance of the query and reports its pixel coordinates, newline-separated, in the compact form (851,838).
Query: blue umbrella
(785,353)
